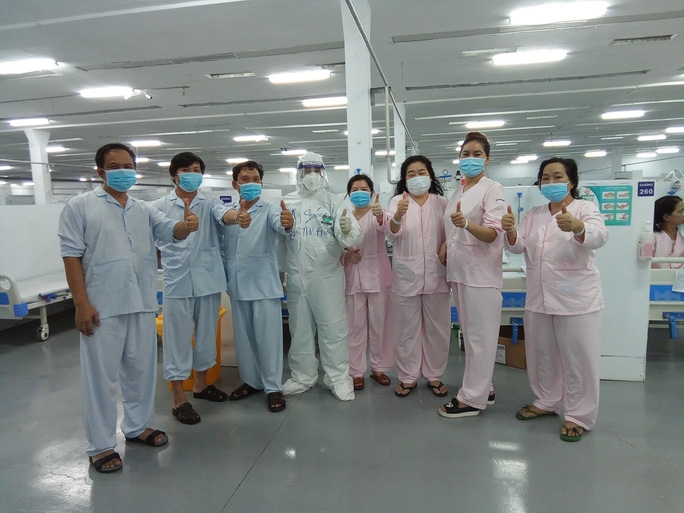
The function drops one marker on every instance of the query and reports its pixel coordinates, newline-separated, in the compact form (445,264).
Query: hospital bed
(31,268)
(666,307)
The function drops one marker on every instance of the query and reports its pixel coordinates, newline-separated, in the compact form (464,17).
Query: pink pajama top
(373,272)
(416,268)
(666,247)
(470,261)
(562,278)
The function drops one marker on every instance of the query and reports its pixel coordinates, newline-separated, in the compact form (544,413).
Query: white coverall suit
(315,291)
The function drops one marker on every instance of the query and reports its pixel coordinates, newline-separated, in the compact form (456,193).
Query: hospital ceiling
(200,67)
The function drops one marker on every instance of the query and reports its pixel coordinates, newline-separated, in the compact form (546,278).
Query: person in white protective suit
(315,281)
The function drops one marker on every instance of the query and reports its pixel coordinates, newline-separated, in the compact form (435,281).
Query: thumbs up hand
(402,207)
(457,218)
(243,217)
(508,221)
(345,223)
(566,221)
(286,218)
(191,219)
(376,208)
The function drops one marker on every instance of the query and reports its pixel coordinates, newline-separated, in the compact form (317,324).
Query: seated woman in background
(668,228)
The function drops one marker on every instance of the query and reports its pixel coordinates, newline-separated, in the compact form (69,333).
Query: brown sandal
(275,401)
(359,383)
(381,378)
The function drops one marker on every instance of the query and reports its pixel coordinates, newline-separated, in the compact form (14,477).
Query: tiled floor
(377,453)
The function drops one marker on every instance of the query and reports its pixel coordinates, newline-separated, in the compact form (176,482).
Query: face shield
(311,175)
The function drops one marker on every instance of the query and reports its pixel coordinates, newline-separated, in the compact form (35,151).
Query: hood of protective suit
(309,166)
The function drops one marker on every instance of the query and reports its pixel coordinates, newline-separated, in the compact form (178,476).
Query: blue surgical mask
(189,182)
(555,192)
(360,199)
(418,185)
(120,179)
(250,191)
(471,166)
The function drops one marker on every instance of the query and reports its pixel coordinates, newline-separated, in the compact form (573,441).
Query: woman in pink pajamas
(420,293)
(668,220)
(474,252)
(368,280)
(564,299)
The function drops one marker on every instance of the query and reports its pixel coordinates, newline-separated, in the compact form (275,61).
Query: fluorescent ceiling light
(658,137)
(477,125)
(528,57)
(623,114)
(27,66)
(83,179)
(595,153)
(288,169)
(646,155)
(300,76)
(218,76)
(164,164)
(675,130)
(668,149)
(146,143)
(558,12)
(456,161)
(138,175)
(2,182)
(557,144)
(207,175)
(107,92)
(528,157)
(383,153)
(325,131)
(27,184)
(141,160)
(341,167)
(250,138)
(374,131)
(29,122)
(333,101)
(5,168)
(293,152)
(236,160)
(55,149)
(615,138)
(516,161)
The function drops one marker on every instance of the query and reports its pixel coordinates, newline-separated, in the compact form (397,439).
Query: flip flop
(435,389)
(381,378)
(242,392)
(149,439)
(211,393)
(106,459)
(404,387)
(534,414)
(567,437)
(359,383)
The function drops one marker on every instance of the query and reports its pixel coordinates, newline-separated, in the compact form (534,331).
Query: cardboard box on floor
(508,353)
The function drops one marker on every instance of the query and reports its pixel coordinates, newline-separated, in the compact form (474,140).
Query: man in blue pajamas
(255,288)
(193,282)
(107,243)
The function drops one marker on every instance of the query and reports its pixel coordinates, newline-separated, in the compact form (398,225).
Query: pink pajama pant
(563,358)
(370,327)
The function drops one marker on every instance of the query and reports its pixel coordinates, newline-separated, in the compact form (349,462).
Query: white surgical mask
(418,185)
(312,182)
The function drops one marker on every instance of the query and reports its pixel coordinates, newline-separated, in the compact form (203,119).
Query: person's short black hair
(570,169)
(100,155)
(248,164)
(357,178)
(435,186)
(185,159)
(664,205)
